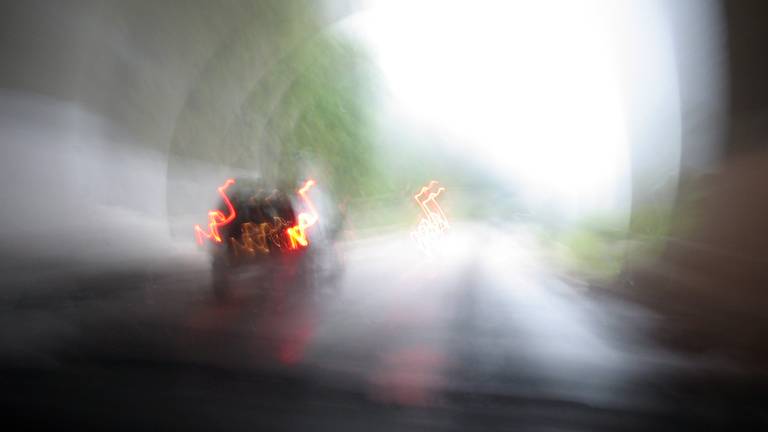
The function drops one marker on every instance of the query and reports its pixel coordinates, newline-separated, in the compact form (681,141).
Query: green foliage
(589,253)
(326,117)
(597,246)
(279,96)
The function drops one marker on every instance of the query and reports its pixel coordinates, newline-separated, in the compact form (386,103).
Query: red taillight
(297,234)
(216,218)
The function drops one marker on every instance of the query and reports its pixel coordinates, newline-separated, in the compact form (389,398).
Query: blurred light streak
(297,233)
(216,217)
(256,237)
(434,222)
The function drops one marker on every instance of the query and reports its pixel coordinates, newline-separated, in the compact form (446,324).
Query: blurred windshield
(348,214)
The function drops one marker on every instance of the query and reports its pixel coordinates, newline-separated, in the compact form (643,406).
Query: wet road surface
(483,335)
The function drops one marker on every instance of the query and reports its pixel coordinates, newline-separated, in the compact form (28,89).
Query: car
(261,235)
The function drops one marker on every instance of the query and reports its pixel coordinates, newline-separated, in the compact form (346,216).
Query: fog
(383,214)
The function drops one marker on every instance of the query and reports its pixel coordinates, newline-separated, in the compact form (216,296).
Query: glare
(529,89)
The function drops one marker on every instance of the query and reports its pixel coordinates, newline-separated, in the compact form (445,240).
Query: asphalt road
(484,335)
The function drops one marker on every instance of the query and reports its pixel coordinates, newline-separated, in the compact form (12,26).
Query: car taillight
(217,219)
(257,237)
(297,234)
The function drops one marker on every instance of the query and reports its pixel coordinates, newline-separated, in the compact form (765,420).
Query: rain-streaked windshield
(383,215)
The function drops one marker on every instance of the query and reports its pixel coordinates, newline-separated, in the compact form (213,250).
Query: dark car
(262,237)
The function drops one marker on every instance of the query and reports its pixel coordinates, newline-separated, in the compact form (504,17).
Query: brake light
(297,233)
(217,219)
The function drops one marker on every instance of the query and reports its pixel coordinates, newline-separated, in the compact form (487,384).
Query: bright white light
(531,89)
